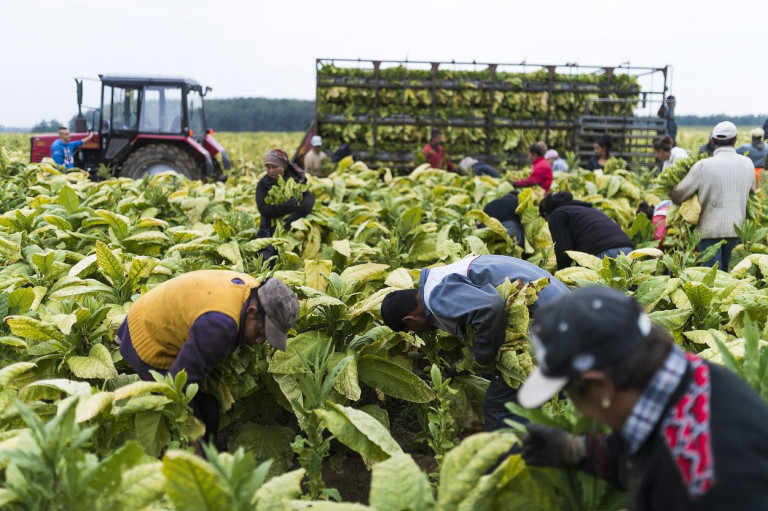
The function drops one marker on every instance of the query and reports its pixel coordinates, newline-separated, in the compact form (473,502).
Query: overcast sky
(268,48)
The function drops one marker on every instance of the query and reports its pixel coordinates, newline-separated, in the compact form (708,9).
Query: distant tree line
(711,120)
(259,114)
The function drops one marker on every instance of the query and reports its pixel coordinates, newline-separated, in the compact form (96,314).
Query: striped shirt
(723,183)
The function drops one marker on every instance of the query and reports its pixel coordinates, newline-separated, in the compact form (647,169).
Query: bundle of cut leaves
(285,190)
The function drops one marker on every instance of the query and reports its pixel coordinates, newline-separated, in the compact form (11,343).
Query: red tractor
(145,125)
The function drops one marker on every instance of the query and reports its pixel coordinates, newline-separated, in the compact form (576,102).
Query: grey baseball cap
(281,309)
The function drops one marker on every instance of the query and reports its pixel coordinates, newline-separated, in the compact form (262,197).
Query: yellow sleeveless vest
(160,320)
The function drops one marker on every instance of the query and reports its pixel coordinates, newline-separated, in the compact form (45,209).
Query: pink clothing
(541,175)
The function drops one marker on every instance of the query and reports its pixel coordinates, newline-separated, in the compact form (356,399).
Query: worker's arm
(536,178)
(457,299)
(560,228)
(688,186)
(450,166)
(211,338)
(272,210)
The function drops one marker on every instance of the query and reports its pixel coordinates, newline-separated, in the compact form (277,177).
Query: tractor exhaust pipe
(80,123)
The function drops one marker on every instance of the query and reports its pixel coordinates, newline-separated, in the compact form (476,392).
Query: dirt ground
(347,472)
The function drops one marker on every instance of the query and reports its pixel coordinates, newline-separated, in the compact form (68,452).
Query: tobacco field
(352,416)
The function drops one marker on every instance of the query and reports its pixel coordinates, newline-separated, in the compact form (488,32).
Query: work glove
(552,447)
(289,206)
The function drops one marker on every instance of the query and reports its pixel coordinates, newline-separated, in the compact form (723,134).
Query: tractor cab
(147,125)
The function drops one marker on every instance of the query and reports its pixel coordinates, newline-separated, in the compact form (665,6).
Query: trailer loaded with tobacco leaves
(385,110)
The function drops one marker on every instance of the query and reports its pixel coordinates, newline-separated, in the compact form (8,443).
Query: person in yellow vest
(193,321)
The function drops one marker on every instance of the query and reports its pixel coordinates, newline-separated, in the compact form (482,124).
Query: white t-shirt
(677,153)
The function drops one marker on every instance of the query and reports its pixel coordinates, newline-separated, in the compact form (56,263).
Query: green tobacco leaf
(270,496)
(91,406)
(672,320)
(97,365)
(73,388)
(649,292)
(118,223)
(21,299)
(467,463)
(192,483)
(231,252)
(12,372)
(84,267)
(393,380)
(698,294)
(347,382)
(364,272)
(316,272)
(106,478)
(359,431)
(302,345)
(398,484)
(69,200)
(109,264)
(140,486)
(399,278)
(370,303)
(9,250)
(586,260)
(153,433)
(342,247)
(32,329)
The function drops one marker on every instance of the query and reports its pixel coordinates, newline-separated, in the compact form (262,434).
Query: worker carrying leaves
(283,192)
(462,299)
(193,321)
(687,434)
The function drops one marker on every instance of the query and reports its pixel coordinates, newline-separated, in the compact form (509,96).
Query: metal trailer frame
(636,132)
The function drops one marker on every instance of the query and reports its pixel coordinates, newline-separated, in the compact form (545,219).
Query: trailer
(384,110)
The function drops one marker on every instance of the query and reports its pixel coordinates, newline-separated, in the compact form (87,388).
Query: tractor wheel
(156,158)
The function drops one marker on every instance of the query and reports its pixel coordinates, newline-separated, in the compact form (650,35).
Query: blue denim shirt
(464,294)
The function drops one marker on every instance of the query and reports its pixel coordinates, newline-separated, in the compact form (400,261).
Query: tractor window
(195,112)
(121,108)
(161,110)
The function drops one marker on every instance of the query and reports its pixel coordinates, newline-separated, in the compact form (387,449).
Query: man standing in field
(462,296)
(62,150)
(313,160)
(723,183)
(193,321)
(435,153)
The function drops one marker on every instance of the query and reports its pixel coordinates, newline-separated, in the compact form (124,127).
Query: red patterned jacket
(709,450)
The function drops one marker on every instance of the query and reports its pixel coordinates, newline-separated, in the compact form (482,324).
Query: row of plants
(78,253)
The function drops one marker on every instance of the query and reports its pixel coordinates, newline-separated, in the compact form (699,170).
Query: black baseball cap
(591,328)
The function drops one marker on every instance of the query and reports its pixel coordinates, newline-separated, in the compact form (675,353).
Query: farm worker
(708,148)
(756,151)
(723,183)
(478,168)
(541,170)
(435,153)
(313,160)
(62,150)
(504,209)
(461,297)
(667,111)
(577,225)
(602,152)
(558,164)
(686,434)
(666,152)
(195,320)
(277,165)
